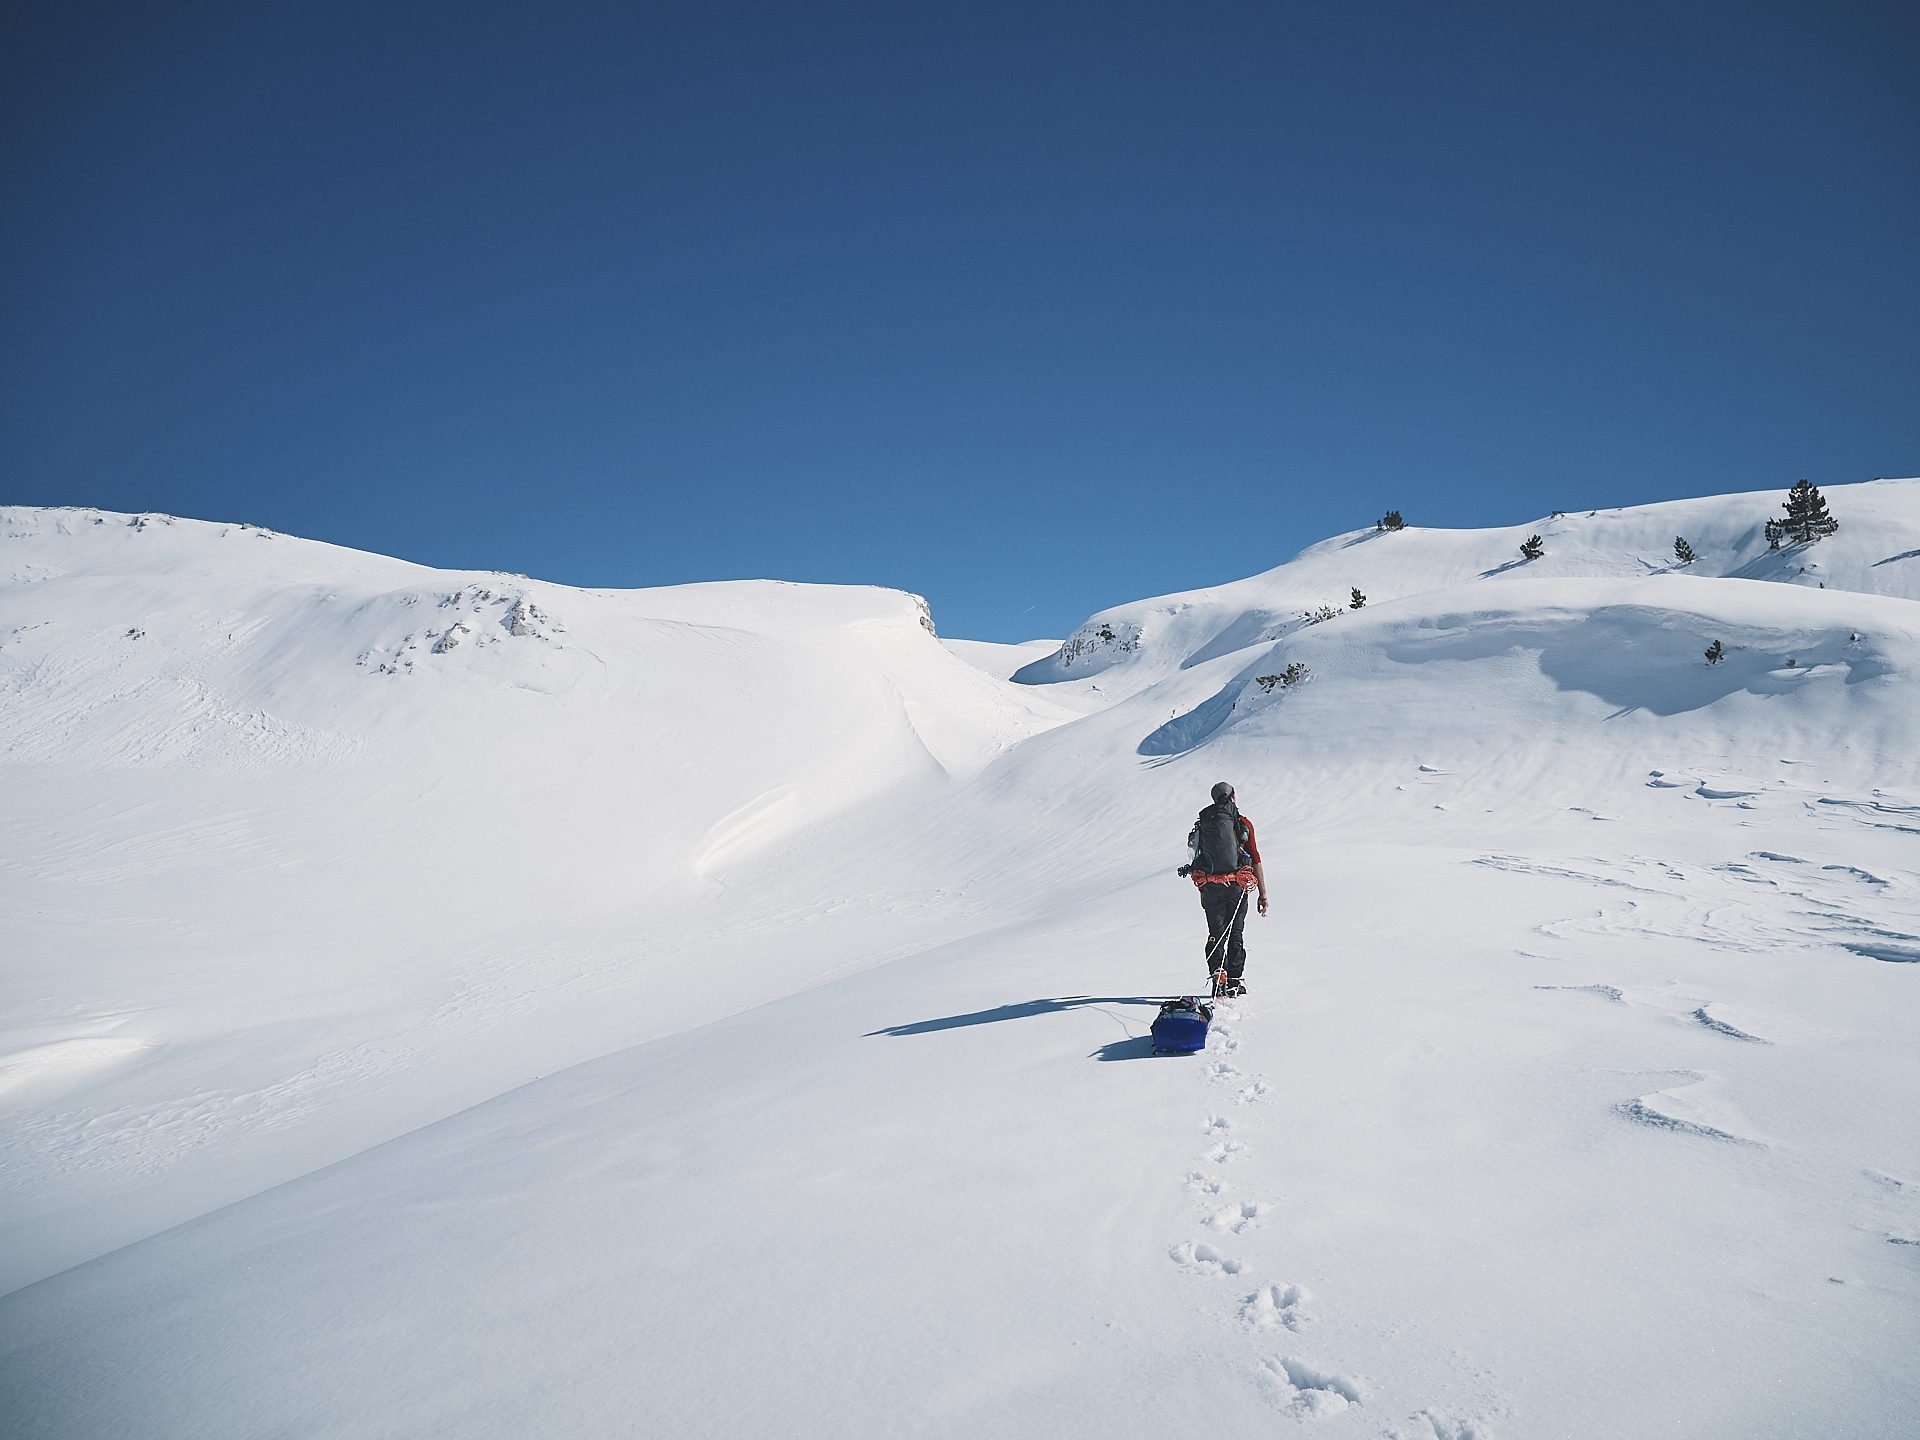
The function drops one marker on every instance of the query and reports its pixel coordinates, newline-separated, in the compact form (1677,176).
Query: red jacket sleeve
(1253,845)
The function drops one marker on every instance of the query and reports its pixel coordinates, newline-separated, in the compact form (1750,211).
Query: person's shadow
(1135,1047)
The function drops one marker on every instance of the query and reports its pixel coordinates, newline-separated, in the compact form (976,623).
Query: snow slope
(306,847)
(1573,1095)
(1876,551)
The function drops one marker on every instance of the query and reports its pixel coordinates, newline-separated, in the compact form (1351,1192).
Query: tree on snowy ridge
(1806,520)
(1358,599)
(1532,548)
(1682,551)
(1390,521)
(1294,674)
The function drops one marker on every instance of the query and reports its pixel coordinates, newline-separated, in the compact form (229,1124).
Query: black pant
(1226,907)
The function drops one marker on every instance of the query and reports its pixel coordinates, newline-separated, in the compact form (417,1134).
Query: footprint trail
(1301,1389)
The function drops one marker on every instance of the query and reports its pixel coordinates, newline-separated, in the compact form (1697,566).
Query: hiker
(1225,866)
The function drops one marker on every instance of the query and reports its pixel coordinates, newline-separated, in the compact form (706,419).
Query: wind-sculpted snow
(477,1006)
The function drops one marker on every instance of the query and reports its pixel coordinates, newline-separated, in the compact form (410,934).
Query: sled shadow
(1139,1047)
(1016,1012)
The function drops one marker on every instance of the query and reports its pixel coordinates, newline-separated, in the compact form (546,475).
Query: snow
(455,1003)
(1000,661)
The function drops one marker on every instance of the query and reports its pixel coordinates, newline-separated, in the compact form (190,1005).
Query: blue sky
(1033,309)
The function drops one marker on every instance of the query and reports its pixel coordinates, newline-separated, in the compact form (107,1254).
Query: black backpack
(1215,841)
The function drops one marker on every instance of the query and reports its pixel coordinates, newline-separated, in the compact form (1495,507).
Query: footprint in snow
(1198,1180)
(1217,1126)
(1307,1391)
(1272,1306)
(1259,1090)
(1242,1216)
(1200,1258)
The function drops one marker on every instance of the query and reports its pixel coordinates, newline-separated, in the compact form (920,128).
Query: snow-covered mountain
(455,1003)
(1134,644)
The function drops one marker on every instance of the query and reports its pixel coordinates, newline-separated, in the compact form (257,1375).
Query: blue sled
(1181,1026)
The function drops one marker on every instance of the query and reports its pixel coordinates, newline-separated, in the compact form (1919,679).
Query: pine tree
(1682,551)
(1714,652)
(1532,548)
(1358,599)
(1391,521)
(1807,518)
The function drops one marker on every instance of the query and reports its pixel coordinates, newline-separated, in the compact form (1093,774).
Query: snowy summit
(450,1003)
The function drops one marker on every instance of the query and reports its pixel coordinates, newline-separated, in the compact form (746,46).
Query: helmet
(1222,792)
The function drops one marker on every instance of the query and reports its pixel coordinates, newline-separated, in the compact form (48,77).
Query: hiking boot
(1220,982)
(1235,987)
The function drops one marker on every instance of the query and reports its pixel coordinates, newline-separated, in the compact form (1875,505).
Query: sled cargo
(1181,1026)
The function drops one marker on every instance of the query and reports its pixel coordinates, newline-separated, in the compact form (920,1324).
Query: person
(1225,866)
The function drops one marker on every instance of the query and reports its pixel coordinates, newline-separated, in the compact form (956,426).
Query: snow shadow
(1253,628)
(1136,1047)
(1892,954)
(1639,657)
(1017,1012)
(1782,565)
(1184,732)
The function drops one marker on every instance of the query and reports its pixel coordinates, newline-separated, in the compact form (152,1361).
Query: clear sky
(1033,308)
